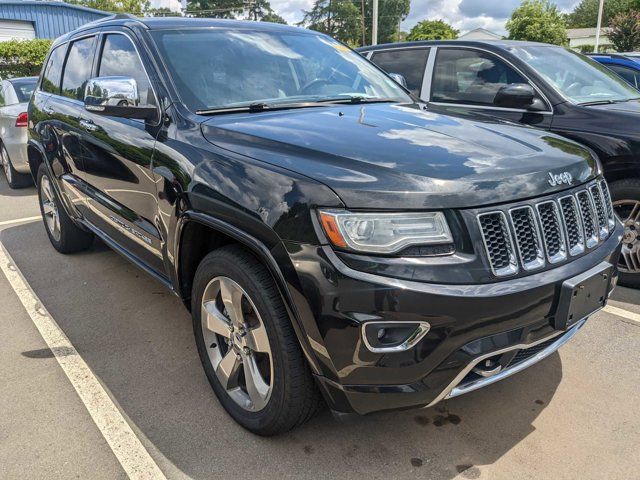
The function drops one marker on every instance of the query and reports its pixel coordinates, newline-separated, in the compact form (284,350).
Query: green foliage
(215,8)
(136,7)
(625,31)
(537,21)
(390,14)
(260,10)
(337,18)
(586,48)
(161,12)
(432,30)
(585,15)
(22,58)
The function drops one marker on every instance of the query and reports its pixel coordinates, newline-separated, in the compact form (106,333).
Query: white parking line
(20,220)
(620,312)
(134,458)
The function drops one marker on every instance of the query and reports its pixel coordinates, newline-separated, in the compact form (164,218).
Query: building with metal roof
(42,18)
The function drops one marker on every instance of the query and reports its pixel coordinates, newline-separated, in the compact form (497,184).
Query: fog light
(388,337)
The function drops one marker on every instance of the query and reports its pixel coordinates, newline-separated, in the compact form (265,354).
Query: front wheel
(247,345)
(626,202)
(65,236)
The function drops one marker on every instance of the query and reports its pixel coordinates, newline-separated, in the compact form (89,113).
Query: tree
(625,31)
(162,12)
(273,17)
(22,58)
(215,8)
(260,10)
(537,21)
(585,14)
(432,30)
(337,18)
(135,7)
(390,14)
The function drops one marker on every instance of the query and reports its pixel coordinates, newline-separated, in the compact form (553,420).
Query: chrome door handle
(48,110)
(88,125)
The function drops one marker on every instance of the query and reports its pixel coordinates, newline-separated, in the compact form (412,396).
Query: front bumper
(510,320)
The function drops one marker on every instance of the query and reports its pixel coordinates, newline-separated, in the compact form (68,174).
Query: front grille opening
(571,216)
(496,236)
(527,238)
(600,211)
(552,231)
(611,219)
(588,218)
(526,353)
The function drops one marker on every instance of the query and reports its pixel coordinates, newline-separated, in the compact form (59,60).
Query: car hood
(392,156)
(632,106)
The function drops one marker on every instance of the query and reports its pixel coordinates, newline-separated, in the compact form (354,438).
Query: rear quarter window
(53,71)
(408,62)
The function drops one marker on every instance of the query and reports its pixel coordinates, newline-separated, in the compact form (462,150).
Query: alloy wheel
(629,213)
(6,166)
(237,343)
(49,208)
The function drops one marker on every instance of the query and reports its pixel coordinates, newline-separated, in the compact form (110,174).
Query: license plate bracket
(583,295)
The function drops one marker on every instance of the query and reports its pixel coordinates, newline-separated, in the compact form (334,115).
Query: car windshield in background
(225,69)
(24,88)
(577,77)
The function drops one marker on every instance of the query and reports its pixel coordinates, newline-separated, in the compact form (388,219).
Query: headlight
(384,232)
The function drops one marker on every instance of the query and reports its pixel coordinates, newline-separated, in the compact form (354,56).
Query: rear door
(467,79)
(121,192)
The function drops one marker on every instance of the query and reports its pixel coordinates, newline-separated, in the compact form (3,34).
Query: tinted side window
(409,62)
(119,57)
(470,76)
(53,71)
(630,75)
(77,68)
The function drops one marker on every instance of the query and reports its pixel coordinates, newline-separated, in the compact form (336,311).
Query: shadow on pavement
(6,191)
(137,338)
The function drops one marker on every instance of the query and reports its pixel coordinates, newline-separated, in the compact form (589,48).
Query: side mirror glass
(117,96)
(516,95)
(399,79)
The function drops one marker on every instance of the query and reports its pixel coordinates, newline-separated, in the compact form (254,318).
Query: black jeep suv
(332,237)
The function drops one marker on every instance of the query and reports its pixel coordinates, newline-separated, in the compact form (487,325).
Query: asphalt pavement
(572,416)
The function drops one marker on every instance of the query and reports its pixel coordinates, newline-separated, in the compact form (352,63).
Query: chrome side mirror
(399,79)
(117,97)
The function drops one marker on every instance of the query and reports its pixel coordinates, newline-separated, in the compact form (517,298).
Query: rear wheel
(15,179)
(247,345)
(626,202)
(65,236)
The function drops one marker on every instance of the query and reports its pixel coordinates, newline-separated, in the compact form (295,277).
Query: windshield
(24,88)
(226,68)
(577,77)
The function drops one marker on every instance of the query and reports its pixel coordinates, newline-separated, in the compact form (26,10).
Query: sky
(464,15)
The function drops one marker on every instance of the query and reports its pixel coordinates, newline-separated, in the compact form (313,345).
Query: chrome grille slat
(527,235)
(549,231)
(552,231)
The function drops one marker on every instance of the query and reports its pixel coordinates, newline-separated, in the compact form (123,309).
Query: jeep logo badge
(560,178)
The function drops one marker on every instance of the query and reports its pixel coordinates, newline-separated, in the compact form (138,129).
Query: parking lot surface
(574,415)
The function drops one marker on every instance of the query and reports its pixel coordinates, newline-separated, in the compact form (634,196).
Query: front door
(468,79)
(121,196)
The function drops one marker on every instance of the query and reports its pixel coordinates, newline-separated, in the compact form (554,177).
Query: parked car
(541,85)
(14,98)
(625,65)
(330,236)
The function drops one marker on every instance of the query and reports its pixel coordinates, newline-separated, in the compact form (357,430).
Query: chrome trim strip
(539,262)
(422,328)
(562,253)
(454,389)
(513,262)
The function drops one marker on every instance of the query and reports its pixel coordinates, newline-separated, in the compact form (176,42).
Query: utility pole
(364,30)
(599,25)
(374,27)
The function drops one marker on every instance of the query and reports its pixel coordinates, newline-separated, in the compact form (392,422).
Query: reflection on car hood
(632,106)
(399,156)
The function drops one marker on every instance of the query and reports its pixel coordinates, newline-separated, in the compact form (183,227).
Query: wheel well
(35,159)
(196,242)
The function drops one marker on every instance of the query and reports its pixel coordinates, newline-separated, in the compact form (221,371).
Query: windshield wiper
(259,107)
(358,99)
(609,102)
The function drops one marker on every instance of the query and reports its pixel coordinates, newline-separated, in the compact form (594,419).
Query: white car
(14,97)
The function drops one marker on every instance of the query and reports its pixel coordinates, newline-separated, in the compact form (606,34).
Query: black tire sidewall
(221,263)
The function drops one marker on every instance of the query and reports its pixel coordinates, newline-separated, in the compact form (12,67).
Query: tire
(15,179)
(293,397)
(626,199)
(64,234)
